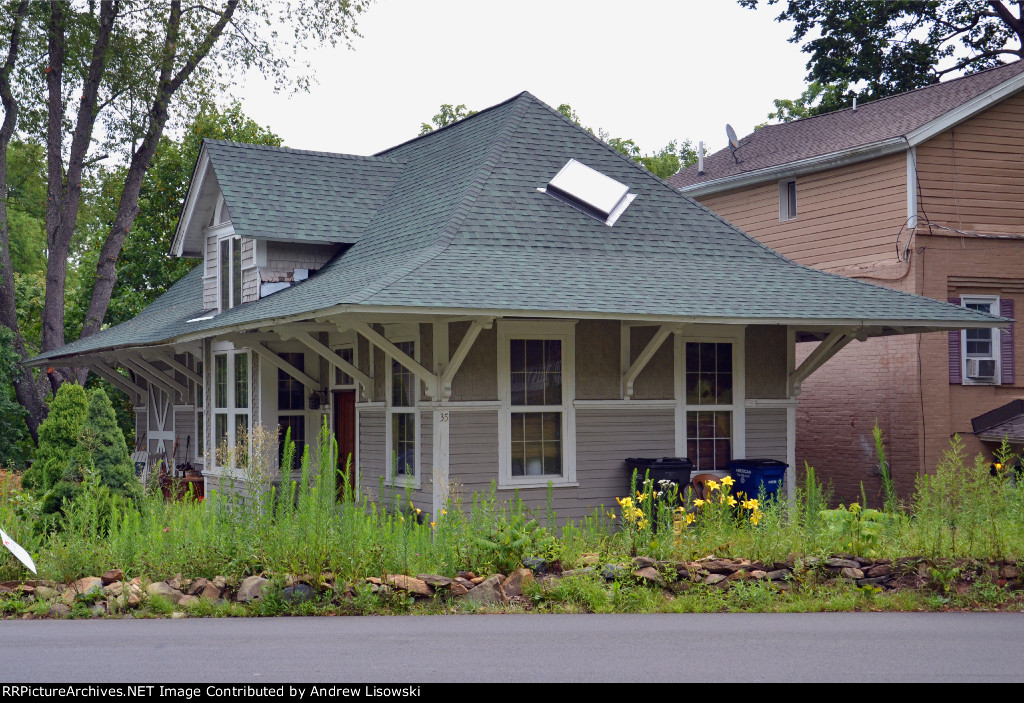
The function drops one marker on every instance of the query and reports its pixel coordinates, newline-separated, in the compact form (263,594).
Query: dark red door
(345,433)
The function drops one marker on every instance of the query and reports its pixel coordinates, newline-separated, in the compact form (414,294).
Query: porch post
(441,423)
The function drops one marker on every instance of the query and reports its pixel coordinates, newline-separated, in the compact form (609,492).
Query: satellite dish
(731,133)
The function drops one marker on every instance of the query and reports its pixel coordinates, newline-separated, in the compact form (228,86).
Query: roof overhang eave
(823,162)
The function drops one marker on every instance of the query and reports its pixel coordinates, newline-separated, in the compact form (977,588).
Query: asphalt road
(498,648)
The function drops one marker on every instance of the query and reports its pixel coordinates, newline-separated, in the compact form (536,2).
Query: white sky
(648,70)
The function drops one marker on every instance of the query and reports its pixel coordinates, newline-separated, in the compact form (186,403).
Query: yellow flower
(433,524)
(401,518)
(418,511)
(712,485)
(727,481)
(752,504)
(699,502)
(444,512)
(690,517)
(732,501)
(755,518)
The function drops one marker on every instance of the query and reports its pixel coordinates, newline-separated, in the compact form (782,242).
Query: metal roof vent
(590,191)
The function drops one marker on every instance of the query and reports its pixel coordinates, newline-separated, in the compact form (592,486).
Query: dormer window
(229,271)
(590,191)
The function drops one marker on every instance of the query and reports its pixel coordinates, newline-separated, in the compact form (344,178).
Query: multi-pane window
(402,415)
(536,389)
(340,377)
(535,368)
(980,348)
(230,272)
(200,414)
(231,408)
(291,406)
(709,391)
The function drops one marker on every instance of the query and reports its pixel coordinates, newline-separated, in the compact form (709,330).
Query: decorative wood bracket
(274,360)
(156,376)
(177,366)
(645,357)
(455,363)
(829,347)
(378,340)
(308,341)
(135,392)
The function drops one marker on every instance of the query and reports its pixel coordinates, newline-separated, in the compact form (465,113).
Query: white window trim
(337,349)
(738,439)
(563,330)
(231,411)
(993,302)
(228,235)
(398,334)
(784,214)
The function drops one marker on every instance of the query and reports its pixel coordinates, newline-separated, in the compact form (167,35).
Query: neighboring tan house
(921,192)
(506,300)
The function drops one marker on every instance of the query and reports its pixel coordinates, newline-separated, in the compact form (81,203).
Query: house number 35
(444,417)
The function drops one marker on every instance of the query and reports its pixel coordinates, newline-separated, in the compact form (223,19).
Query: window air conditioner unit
(981,369)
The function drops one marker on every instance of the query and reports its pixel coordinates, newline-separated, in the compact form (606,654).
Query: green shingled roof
(465,226)
(307,196)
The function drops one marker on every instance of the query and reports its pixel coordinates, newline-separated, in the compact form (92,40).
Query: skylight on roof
(591,191)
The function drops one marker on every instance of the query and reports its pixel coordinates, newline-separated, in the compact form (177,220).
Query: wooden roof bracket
(135,392)
(378,340)
(455,363)
(177,366)
(274,360)
(829,347)
(645,357)
(313,344)
(155,376)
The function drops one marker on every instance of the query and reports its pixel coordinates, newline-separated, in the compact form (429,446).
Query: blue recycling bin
(751,475)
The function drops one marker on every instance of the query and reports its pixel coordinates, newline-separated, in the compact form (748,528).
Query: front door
(345,434)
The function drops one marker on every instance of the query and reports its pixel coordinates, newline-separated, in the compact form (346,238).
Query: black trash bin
(670,468)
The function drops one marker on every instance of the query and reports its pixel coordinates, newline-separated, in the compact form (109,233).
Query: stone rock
(864,561)
(714,579)
(98,609)
(5,589)
(45,592)
(188,600)
(759,575)
(416,587)
(134,599)
(476,581)
(590,559)
(878,581)
(642,562)
(374,580)
(610,572)
(536,565)
(1009,571)
(59,610)
(513,585)
(741,575)
(175,582)
(840,563)
(585,571)
(177,615)
(84,585)
(435,581)
(468,575)
(720,566)
(878,570)
(197,586)
(778,575)
(649,576)
(465,583)
(852,573)
(114,588)
(252,588)
(298,593)
(111,576)
(457,589)
(782,565)
(164,590)
(488,592)
(220,582)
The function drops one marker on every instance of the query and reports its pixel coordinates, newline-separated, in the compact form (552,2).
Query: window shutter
(955,365)
(1006,373)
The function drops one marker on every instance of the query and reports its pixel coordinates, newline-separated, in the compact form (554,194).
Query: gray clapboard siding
(284,257)
(766,433)
(210,274)
(371,452)
(250,285)
(604,439)
(185,433)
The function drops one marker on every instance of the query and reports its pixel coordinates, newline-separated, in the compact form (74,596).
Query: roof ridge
(937,84)
(456,122)
(305,152)
(462,209)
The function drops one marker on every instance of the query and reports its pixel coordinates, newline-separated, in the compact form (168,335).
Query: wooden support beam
(135,392)
(828,348)
(365,382)
(156,376)
(177,366)
(645,356)
(276,361)
(455,363)
(418,370)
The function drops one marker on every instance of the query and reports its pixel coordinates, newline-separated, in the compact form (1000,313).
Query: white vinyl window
(787,200)
(537,389)
(979,348)
(402,421)
(710,387)
(231,390)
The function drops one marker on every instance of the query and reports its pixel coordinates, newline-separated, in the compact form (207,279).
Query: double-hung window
(291,408)
(787,200)
(979,350)
(231,408)
(402,427)
(536,386)
(709,404)
(229,271)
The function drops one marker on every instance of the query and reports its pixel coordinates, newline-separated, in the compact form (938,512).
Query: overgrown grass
(299,527)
